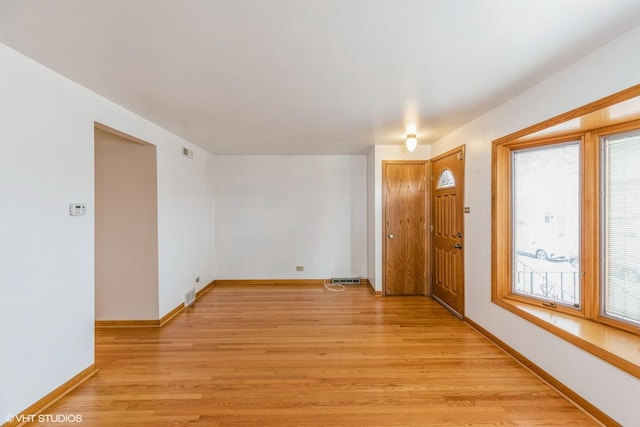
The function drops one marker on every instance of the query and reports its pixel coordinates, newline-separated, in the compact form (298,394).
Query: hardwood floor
(305,356)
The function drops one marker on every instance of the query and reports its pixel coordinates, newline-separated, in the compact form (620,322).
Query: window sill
(619,348)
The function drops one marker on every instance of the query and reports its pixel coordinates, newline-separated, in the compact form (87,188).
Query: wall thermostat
(77,209)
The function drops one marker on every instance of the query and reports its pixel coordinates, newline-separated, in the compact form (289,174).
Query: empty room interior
(319,212)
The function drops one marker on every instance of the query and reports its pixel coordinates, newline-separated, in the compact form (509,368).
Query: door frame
(129,148)
(427,213)
(462,149)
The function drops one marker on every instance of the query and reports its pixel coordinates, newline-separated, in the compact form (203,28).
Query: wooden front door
(405,224)
(447,233)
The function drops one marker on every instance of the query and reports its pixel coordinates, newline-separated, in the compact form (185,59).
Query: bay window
(566,226)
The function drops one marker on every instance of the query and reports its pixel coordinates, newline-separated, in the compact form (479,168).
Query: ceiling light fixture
(412,141)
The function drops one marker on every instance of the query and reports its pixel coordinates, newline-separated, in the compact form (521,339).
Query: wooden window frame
(607,338)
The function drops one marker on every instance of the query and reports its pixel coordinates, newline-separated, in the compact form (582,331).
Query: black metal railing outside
(558,286)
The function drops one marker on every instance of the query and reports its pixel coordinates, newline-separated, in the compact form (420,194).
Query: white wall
(274,213)
(610,69)
(185,221)
(46,256)
(375,232)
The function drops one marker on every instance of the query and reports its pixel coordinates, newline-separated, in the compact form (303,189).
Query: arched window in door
(446,180)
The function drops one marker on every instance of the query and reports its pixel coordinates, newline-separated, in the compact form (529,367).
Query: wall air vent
(190,297)
(187,153)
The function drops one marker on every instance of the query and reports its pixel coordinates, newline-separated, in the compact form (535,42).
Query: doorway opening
(126,228)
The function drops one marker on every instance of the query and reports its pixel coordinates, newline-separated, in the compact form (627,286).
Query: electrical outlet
(197,279)
(299,268)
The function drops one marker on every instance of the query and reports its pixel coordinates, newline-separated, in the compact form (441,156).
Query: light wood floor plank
(303,356)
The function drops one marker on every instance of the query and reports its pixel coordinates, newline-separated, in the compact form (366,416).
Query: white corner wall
(375,232)
(274,213)
(47,256)
(610,69)
(185,221)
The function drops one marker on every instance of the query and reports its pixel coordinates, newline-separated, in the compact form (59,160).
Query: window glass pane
(621,216)
(446,179)
(546,223)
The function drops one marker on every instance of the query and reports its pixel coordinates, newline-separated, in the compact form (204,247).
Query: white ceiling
(310,76)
